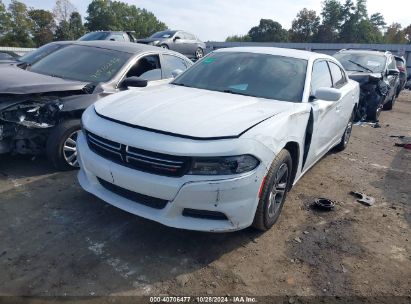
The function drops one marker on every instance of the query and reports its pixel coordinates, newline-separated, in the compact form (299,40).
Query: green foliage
(120,16)
(5,19)
(305,27)
(268,31)
(70,29)
(21,25)
(332,18)
(43,26)
(395,34)
(238,38)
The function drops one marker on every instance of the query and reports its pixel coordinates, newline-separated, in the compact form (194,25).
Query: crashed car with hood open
(377,74)
(40,108)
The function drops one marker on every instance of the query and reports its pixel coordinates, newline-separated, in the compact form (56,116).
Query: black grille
(204,214)
(146,200)
(142,160)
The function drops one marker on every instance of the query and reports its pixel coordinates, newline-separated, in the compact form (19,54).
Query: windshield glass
(94,36)
(362,62)
(82,63)
(164,34)
(40,53)
(250,74)
(5,56)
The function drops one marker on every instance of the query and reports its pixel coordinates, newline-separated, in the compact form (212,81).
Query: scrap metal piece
(363,198)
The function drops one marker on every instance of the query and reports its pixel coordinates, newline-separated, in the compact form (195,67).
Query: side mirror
(176,38)
(328,94)
(176,72)
(134,82)
(393,72)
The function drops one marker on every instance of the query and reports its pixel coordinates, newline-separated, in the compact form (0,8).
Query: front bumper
(235,197)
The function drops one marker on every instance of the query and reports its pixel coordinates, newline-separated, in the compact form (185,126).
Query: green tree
(332,18)
(43,26)
(378,21)
(268,31)
(305,27)
(21,25)
(407,33)
(5,21)
(77,28)
(238,38)
(120,16)
(395,34)
(62,32)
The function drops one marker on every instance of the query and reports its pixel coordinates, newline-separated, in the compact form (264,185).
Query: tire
(347,134)
(164,46)
(388,106)
(373,113)
(199,53)
(61,145)
(274,192)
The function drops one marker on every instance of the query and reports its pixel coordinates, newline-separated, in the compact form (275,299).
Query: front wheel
(347,134)
(164,46)
(62,145)
(390,104)
(274,192)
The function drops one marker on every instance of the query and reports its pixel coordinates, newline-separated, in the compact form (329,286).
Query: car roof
(293,53)
(126,47)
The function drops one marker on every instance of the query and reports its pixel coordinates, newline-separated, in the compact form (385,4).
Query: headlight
(223,165)
(154,42)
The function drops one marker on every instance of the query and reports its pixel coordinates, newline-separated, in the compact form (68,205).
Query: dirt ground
(56,239)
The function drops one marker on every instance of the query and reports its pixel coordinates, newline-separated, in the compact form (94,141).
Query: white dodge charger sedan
(219,147)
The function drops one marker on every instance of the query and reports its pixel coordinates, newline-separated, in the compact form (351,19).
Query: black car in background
(41,107)
(126,36)
(179,41)
(378,77)
(402,67)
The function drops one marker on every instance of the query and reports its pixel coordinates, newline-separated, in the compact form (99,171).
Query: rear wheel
(373,113)
(274,192)
(62,145)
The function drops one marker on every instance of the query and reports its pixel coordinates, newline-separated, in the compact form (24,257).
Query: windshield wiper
(361,66)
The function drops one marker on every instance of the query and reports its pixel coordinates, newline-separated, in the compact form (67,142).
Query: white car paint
(183,121)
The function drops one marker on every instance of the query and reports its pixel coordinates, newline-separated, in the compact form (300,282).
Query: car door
(391,79)
(345,105)
(147,67)
(178,43)
(326,118)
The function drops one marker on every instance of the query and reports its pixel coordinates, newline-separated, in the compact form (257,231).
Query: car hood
(14,80)
(364,77)
(189,112)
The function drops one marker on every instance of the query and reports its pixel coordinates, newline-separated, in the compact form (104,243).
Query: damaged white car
(218,148)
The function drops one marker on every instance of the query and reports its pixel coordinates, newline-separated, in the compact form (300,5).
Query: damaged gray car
(378,76)
(40,108)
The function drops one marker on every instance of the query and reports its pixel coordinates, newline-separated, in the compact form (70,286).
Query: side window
(337,74)
(148,68)
(392,64)
(321,76)
(116,37)
(172,63)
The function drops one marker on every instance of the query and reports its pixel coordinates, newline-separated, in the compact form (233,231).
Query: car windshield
(94,36)
(82,63)
(250,74)
(40,53)
(362,62)
(164,34)
(5,56)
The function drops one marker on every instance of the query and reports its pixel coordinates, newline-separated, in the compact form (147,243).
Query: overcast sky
(216,19)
